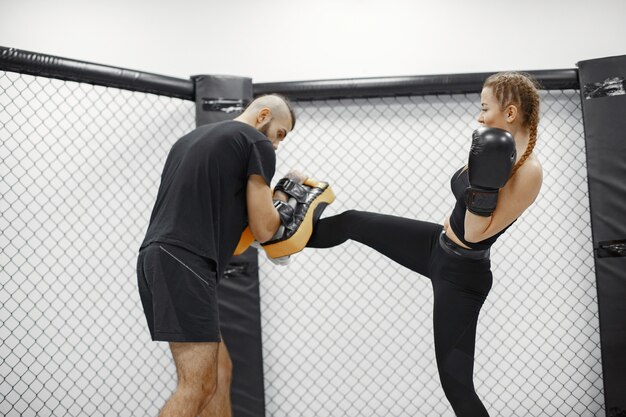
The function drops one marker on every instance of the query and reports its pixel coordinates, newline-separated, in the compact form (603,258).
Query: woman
(455,256)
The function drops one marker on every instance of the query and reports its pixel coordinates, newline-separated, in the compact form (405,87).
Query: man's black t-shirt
(201,203)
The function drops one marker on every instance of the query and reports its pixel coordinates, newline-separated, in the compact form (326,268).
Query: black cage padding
(49,66)
(220,97)
(603,96)
(406,86)
(26,62)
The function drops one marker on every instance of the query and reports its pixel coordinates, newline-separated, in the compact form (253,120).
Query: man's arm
(263,217)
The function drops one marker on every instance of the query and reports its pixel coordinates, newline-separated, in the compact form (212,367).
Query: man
(216,180)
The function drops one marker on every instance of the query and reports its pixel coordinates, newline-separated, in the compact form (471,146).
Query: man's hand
(294,175)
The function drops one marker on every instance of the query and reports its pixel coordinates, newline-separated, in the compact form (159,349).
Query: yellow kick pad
(245,241)
(279,247)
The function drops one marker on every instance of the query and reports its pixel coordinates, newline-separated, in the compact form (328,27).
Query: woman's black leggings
(460,287)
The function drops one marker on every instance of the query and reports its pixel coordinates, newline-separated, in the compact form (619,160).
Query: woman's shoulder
(531,168)
(529,175)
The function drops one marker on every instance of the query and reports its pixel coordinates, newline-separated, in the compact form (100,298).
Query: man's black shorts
(178,291)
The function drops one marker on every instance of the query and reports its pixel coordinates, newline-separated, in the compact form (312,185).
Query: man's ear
(263,116)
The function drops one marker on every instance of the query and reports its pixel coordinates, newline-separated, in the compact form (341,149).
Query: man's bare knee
(198,395)
(196,366)
(225,366)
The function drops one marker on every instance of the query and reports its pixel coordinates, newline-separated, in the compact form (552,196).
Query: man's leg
(196,367)
(219,406)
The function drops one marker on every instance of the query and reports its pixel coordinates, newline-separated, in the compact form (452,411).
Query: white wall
(284,40)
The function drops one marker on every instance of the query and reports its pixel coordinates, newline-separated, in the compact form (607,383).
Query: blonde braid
(521,90)
(529,149)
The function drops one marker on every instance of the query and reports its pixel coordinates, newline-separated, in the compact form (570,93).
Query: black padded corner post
(220,98)
(603,96)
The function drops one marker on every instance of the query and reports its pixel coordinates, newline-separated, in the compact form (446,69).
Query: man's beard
(265,129)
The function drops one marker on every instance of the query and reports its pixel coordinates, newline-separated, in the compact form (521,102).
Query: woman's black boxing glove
(491,160)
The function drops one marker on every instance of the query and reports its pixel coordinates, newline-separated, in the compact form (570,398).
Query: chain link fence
(80,166)
(345,331)
(349,333)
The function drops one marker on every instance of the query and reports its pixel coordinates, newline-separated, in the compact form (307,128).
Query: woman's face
(491,115)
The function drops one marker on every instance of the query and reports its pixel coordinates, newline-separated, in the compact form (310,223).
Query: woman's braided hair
(521,90)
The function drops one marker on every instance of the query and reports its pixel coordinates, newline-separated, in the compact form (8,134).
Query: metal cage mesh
(80,168)
(348,332)
(345,331)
